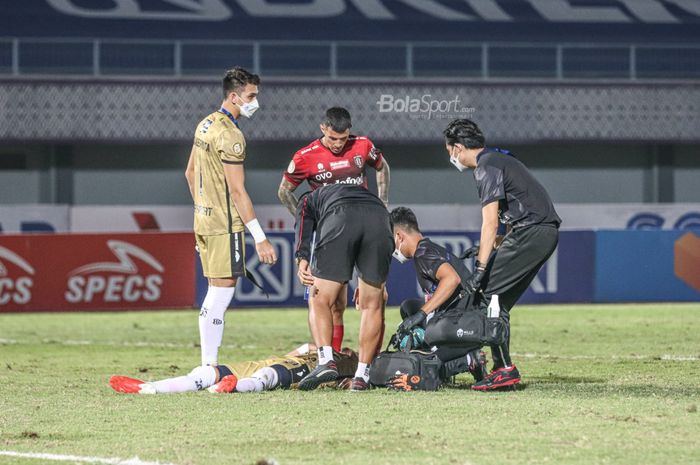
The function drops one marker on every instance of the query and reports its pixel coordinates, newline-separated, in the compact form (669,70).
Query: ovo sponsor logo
(16,290)
(118,281)
(323,176)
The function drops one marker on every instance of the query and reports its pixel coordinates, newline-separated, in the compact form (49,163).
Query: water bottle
(494,310)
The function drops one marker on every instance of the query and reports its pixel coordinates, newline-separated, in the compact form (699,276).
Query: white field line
(173,345)
(666,357)
(78,458)
(71,342)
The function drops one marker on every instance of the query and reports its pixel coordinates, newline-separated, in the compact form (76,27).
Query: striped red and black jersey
(318,166)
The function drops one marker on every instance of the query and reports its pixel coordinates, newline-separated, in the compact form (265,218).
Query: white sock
(211,322)
(250,385)
(325,355)
(362,371)
(197,379)
(265,379)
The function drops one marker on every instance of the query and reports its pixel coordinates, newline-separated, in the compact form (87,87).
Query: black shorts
(516,262)
(353,235)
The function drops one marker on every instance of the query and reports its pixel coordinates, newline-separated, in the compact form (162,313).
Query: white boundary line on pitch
(173,345)
(163,345)
(78,458)
(664,357)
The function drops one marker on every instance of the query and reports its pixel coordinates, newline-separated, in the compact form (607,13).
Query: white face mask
(455,161)
(247,109)
(401,258)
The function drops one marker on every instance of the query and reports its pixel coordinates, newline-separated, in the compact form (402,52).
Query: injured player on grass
(253,376)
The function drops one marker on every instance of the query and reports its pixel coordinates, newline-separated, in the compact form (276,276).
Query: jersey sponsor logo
(358,181)
(15,287)
(323,176)
(201,144)
(237,148)
(308,149)
(292,167)
(207,124)
(373,153)
(119,281)
(336,165)
(358,161)
(202,210)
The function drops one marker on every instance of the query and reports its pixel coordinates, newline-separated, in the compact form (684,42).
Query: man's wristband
(255,230)
(480,266)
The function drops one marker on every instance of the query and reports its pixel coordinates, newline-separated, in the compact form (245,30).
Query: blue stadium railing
(343,60)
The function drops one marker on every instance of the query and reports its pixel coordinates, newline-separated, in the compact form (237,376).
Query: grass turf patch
(602,384)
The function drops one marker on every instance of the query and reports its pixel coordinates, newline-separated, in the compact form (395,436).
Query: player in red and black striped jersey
(338,157)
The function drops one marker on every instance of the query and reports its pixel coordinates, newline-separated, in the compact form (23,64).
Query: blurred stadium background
(99,100)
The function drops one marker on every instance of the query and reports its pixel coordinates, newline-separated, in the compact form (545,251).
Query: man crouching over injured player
(255,376)
(441,275)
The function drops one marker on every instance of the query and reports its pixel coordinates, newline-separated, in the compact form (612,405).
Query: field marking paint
(664,357)
(79,459)
(162,345)
(174,345)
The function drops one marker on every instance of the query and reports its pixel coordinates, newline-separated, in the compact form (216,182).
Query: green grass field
(601,384)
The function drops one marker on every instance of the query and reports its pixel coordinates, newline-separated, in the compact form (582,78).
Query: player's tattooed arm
(287,197)
(189,173)
(383,178)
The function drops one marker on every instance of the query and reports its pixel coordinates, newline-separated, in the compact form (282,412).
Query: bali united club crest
(358,161)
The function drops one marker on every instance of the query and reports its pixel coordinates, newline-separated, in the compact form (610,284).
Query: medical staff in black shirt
(505,266)
(441,275)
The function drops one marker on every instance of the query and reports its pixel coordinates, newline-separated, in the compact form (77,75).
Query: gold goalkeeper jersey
(217,141)
(346,365)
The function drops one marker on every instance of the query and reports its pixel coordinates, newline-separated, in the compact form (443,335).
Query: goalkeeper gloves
(412,321)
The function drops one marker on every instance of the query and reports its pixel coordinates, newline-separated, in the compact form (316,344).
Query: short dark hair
(465,132)
(404,217)
(237,78)
(338,119)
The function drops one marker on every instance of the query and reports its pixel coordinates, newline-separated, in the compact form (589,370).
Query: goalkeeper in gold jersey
(222,206)
(255,376)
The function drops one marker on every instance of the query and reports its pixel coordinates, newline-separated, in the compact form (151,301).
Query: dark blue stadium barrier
(647,266)
(383,20)
(567,277)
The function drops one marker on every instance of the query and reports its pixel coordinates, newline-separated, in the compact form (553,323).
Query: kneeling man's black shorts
(354,235)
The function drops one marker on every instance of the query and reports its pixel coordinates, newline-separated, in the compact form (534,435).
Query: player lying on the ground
(251,376)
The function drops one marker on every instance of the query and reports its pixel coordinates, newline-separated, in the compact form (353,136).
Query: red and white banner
(63,272)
